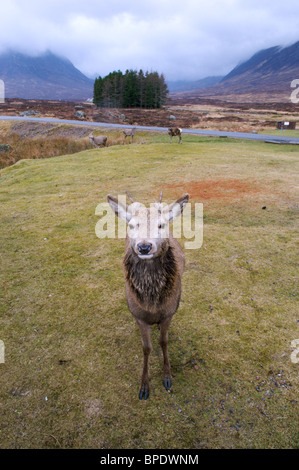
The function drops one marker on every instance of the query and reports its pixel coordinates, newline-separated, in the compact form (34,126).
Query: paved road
(235,135)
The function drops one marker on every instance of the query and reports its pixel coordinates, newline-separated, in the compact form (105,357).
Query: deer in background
(173,131)
(153,265)
(129,133)
(98,140)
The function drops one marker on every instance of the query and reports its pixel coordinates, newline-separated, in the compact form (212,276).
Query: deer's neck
(152,281)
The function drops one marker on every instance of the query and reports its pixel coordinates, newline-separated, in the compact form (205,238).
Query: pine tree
(141,88)
(149,91)
(163,90)
(130,90)
(98,91)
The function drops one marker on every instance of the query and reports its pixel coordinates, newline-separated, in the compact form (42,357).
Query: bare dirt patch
(224,189)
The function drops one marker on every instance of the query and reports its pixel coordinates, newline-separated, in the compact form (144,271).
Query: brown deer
(153,266)
(173,131)
(129,133)
(98,140)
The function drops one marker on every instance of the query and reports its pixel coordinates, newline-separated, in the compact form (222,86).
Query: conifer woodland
(130,90)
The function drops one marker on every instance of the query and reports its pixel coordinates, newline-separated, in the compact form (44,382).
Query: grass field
(73,354)
(281,133)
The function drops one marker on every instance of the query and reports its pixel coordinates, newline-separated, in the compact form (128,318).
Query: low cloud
(183,40)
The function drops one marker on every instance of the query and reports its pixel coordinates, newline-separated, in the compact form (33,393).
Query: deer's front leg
(167,378)
(145,331)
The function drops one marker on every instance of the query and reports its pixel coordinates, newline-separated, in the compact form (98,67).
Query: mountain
(46,76)
(184,85)
(267,73)
(271,69)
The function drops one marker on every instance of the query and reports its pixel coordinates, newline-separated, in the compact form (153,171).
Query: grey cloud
(183,39)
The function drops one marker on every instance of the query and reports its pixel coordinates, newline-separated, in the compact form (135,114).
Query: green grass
(73,354)
(281,133)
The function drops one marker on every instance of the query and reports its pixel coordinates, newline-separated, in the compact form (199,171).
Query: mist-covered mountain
(50,77)
(268,71)
(271,69)
(46,76)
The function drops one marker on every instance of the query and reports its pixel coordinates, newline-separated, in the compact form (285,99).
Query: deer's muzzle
(144,249)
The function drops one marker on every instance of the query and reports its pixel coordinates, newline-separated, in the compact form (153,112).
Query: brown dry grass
(29,140)
(39,148)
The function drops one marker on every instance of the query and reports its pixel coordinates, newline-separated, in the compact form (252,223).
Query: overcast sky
(184,39)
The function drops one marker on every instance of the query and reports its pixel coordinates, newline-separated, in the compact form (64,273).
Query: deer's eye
(131,226)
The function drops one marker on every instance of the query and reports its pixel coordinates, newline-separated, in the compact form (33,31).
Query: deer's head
(148,228)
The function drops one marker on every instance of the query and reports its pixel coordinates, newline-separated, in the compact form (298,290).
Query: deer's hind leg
(167,378)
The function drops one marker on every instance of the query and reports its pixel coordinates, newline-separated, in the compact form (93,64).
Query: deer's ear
(174,209)
(120,210)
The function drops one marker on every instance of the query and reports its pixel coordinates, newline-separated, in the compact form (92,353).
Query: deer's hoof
(167,383)
(144,392)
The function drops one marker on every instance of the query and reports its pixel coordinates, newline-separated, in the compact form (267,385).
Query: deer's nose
(144,249)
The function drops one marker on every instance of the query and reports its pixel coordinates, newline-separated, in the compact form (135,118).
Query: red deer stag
(153,266)
(173,131)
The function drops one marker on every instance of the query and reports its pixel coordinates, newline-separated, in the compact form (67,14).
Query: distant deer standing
(98,140)
(173,131)
(129,133)
(153,266)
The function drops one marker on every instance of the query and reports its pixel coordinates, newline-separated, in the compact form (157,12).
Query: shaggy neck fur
(152,280)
